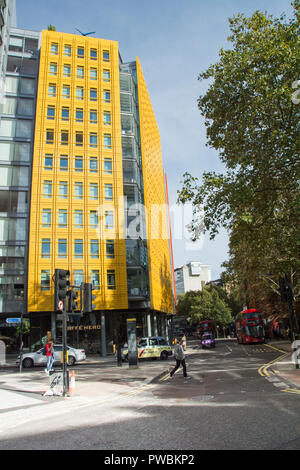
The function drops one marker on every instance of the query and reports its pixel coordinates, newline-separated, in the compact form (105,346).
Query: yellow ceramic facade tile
(68,90)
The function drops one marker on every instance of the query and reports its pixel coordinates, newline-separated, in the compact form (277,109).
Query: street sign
(60,305)
(13,320)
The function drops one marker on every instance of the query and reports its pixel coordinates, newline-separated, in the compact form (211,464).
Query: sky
(175,40)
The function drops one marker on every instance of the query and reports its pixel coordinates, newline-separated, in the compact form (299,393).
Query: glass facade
(16,147)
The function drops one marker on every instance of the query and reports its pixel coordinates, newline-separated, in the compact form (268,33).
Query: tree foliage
(252,121)
(212,303)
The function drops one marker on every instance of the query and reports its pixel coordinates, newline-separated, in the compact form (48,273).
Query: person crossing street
(180,360)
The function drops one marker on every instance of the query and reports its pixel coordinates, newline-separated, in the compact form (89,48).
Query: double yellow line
(263,370)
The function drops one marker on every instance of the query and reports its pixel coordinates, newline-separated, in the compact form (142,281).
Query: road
(227,404)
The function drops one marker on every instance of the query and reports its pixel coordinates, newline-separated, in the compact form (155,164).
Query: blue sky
(174,40)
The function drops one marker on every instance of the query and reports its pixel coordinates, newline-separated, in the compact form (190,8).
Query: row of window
(78,190)
(80,73)
(78,248)
(78,163)
(67,51)
(77,219)
(79,141)
(65,115)
(78,276)
(79,92)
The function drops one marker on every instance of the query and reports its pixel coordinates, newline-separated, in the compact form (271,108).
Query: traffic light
(72,301)
(61,284)
(286,288)
(88,298)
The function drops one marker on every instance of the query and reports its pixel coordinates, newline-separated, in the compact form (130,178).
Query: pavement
(101,379)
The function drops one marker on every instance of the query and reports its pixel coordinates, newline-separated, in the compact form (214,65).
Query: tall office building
(98,197)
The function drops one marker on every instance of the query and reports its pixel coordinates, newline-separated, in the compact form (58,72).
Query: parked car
(38,358)
(208,341)
(151,347)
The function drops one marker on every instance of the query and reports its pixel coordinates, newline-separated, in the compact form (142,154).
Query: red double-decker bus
(206,326)
(249,327)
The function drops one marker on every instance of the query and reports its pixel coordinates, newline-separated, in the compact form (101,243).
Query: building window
(107,141)
(66,91)
(78,191)
(67,50)
(48,162)
(111,279)
(93,116)
(78,219)
(93,219)
(110,249)
(78,277)
(93,54)
(45,247)
(45,279)
(46,218)
(49,136)
(67,70)
(50,112)
(106,75)
(79,114)
(78,163)
(94,191)
(54,48)
(108,192)
(93,74)
(93,94)
(108,166)
(80,72)
(93,164)
(93,139)
(47,189)
(62,218)
(53,68)
(78,248)
(106,96)
(106,118)
(63,163)
(109,220)
(79,93)
(95,279)
(64,138)
(105,56)
(63,189)
(79,139)
(94,248)
(80,52)
(65,114)
(51,90)
(62,248)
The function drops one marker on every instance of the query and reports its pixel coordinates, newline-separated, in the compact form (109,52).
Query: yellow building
(96,176)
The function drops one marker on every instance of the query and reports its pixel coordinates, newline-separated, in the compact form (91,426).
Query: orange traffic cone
(72,384)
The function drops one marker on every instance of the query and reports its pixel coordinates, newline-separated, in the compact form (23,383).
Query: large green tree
(252,120)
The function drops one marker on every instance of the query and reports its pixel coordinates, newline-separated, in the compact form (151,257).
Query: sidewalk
(285,366)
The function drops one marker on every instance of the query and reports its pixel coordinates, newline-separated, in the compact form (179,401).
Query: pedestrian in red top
(49,355)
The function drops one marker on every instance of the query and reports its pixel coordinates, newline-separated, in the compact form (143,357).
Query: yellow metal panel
(161,295)
(40,300)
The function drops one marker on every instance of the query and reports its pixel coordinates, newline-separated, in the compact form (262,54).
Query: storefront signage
(82,327)
(13,320)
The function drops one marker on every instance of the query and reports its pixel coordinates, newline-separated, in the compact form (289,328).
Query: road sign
(60,305)
(13,320)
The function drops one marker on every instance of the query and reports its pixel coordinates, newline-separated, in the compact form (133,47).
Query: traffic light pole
(64,331)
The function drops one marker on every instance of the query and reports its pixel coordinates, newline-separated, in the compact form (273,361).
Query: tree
(209,304)
(51,27)
(251,117)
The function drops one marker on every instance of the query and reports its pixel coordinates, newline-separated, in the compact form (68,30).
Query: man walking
(180,359)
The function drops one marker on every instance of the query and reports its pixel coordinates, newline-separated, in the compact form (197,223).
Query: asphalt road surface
(227,404)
